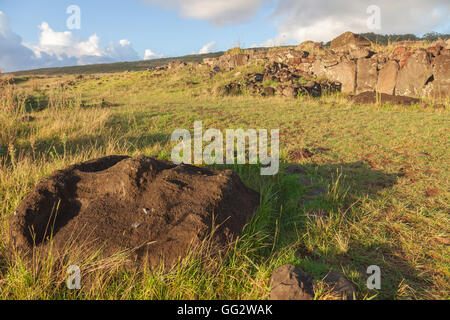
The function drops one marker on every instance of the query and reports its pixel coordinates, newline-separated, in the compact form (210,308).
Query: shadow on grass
(314,205)
(323,202)
(49,149)
(289,198)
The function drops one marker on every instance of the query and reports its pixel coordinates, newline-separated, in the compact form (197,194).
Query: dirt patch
(152,207)
(300,154)
(431,192)
(371,98)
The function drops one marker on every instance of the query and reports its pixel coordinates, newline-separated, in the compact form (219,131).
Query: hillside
(145,64)
(117,67)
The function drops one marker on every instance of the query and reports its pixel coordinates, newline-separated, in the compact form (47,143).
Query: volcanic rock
(414,74)
(348,41)
(291,283)
(387,77)
(152,208)
(382,98)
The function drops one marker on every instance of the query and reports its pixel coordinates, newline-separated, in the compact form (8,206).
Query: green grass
(385,169)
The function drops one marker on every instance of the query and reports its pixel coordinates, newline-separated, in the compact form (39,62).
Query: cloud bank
(295,21)
(322,20)
(218,12)
(56,49)
(207,48)
(149,54)
(319,20)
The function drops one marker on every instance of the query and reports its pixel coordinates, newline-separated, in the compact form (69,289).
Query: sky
(51,33)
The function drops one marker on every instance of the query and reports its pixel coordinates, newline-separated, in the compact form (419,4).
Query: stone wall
(407,69)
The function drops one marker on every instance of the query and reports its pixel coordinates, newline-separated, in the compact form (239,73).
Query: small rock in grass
(291,283)
(269,91)
(340,285)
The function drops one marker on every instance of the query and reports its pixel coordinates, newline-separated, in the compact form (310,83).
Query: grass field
(385,168)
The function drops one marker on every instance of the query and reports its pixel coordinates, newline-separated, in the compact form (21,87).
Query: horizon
(76,33)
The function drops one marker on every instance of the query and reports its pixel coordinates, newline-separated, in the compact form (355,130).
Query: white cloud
(56,49)
(149,54)
(207,48)
(279,40)
(218,12)
(322,20)
(319,20)
(13,54)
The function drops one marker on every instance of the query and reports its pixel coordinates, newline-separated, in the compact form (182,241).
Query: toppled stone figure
(151,208)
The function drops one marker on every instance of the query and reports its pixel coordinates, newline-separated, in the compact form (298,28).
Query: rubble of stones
(350,65)
(291,80)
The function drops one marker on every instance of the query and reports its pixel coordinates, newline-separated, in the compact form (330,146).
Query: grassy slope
(117,66)
(385,168)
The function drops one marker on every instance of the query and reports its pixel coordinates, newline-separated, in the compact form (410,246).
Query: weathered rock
(269,91)
(359,53)
(313,88)
(434,50)
(309,46)
(176,64)
(151,207)
(239,60)
(367,74)
(290,91)
(441,75)
(414,74)
(398,53)
(291,283)
(445,52)
(382,98)
(253,88)
(231,89)
(387,78)
(404,58)
(348,41)
(340,285)
(256,77)
(345,73)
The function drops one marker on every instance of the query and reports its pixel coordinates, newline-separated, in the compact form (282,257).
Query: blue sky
(178,27)
(146,26)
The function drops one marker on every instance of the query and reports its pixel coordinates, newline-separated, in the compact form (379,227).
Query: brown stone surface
(367,74)
(291,283)
(413,76)
(341,287)
(345,73)
(387,77)
(441,74)
(347,41)
(153,207)
(382,98)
